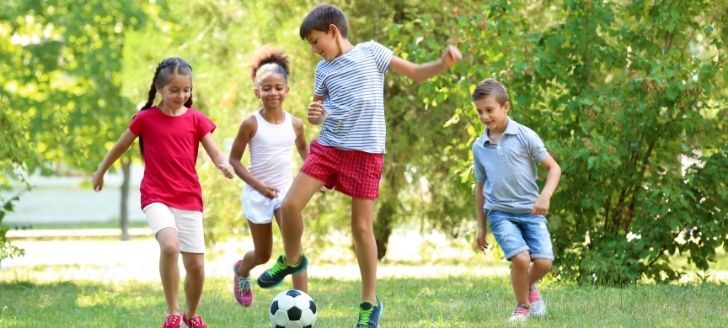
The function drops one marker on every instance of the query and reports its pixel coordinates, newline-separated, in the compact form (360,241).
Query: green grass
(447,302)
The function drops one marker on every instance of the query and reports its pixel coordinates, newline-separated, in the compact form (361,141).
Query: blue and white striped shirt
(352,86)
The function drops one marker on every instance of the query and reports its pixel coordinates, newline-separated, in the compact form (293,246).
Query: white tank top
(270,151)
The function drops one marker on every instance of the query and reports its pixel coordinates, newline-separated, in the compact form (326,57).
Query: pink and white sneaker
(538,306)
(241,287)
(194,322)
(520,314)
(171,321)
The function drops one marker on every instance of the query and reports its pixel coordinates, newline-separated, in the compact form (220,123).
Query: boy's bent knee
(522,258)
(543,264)
(290,206)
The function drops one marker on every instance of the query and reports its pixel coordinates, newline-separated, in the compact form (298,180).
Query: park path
(110,260)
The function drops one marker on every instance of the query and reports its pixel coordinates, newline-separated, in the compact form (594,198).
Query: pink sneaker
(538,306)
(520,314)
(171,321)
(194,322)
(241,287)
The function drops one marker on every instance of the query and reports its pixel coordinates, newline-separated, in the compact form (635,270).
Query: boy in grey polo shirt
(507,195)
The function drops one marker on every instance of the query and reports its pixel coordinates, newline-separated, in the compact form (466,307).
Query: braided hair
(162,75)
(269,60)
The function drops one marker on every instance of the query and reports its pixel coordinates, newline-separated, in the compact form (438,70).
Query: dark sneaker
(275,275)
(370,315)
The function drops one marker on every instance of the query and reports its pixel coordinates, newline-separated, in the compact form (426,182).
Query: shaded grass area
(446,302)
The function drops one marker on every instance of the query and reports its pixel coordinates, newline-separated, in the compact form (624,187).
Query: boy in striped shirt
(349,152)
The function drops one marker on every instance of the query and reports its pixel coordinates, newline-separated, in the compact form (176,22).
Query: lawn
(456,301)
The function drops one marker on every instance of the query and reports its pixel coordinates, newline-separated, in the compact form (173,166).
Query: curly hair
(269,59)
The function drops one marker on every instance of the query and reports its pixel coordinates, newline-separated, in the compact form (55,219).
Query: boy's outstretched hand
(451,55)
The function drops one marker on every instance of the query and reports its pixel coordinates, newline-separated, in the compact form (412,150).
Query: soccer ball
(292,309)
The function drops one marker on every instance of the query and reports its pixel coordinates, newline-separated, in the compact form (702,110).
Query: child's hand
(541,207)
(316,112)
(480,243)
(267,191)
(97,180)
(451,55)
(226,169)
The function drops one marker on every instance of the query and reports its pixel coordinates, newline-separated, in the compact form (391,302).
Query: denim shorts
(516,233)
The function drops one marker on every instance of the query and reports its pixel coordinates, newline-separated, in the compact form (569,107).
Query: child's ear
(334,30)
(257,92)
(507,106)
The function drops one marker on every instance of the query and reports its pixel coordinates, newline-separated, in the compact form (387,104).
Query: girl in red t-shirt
(171,197)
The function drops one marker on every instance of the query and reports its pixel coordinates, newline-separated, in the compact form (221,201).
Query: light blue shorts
(516,233)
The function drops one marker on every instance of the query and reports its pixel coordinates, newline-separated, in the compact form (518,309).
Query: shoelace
(171,319)
(195,322)
(521,310)
(277,267)
(244,285)
(364,316)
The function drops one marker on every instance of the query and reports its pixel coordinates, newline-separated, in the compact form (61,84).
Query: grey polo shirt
(508,169)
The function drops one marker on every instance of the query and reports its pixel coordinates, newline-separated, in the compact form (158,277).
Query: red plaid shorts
(353,172)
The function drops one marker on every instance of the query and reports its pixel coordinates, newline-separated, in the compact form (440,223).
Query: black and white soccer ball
(292,309)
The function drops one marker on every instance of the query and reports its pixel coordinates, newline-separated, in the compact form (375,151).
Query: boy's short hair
(489,87)
(321,17)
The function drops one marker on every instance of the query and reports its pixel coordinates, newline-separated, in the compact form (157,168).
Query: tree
(65,79)
(619,92)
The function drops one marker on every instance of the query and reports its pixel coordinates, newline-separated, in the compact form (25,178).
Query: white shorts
(187,223)
(259,209)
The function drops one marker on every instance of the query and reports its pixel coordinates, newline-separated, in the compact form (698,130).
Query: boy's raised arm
(421,72)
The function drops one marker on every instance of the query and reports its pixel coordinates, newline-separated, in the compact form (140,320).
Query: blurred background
(629,97)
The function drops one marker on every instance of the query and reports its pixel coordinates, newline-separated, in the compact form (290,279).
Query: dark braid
(161,76)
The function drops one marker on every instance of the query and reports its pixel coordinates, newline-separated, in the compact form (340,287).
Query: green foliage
(61,88)
(621,94)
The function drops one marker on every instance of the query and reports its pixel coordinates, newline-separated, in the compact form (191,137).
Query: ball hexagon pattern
(292,309)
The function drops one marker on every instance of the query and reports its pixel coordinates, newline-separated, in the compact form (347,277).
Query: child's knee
(362,230)
(261,256)
(543,264)
(169,248)
(521,259)
(290,205)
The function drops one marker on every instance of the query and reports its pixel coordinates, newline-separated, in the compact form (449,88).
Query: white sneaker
(538,306)
(520,314)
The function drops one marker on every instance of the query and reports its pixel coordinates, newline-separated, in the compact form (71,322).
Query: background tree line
(621,92)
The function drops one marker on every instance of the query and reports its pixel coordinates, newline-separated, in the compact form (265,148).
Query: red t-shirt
(170,155)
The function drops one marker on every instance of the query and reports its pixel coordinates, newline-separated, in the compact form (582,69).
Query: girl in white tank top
(270,132)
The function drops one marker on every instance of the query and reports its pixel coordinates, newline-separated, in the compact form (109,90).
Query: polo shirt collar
(511,128)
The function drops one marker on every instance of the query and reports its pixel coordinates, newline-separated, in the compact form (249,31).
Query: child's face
(493,115)
(323,43)
(177,91)
(271,89)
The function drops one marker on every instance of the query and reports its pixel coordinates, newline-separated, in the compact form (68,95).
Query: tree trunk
(124,210)
(383,226)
